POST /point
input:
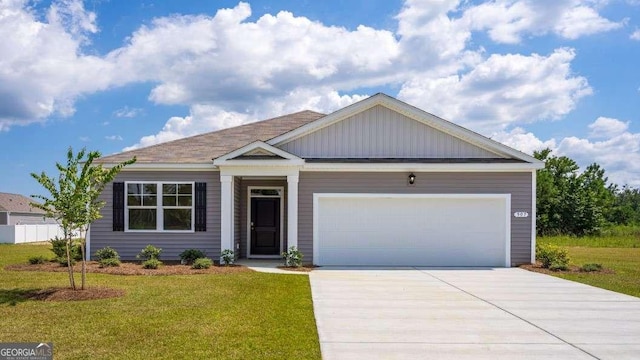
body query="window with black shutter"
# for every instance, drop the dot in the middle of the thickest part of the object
(118, 206)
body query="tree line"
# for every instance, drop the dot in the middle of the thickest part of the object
(570, 202)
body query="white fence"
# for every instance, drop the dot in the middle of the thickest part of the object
(17, 234)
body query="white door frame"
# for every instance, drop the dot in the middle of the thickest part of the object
(248, 225)
(316, 207)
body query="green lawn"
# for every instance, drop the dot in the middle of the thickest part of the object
(232, 316)
(620, 253)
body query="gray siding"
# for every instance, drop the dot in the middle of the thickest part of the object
(517, 184)
(3, 218)
(382, 133)
(28, 219)
(128, 244)
(243, 210)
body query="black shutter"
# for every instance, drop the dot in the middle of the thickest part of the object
(118, 206)
(201, 207)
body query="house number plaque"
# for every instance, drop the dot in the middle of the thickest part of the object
(521, 214)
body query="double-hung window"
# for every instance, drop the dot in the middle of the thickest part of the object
(159, 206)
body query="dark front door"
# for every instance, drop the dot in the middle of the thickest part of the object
(265, 226)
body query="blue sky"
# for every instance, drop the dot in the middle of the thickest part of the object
(114, 75)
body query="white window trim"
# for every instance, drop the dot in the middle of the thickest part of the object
(159, 208)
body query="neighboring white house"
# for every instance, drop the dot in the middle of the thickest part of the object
(20, 222)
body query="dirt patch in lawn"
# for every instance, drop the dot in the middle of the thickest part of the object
(14, 296)
(67, 294)
(537, 267)
(303, 268)
(131, 268)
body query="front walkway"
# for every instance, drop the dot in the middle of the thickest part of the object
(418, 313)
(267, 266)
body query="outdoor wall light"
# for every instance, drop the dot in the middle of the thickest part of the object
(412, 178)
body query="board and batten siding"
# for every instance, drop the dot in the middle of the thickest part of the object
(382, 133)
(518, 184)
(128, 244)
(243, 209)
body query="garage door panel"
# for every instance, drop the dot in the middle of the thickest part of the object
(421, 231)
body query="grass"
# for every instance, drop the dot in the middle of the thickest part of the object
(619, 252)
(231, 316)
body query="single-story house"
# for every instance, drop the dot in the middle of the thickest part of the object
(378, 182)
(16, 209)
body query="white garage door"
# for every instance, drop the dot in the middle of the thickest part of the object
(411, 230)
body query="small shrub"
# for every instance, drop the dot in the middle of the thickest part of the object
(591, 267)
(34, 260)
(202, 263)
(59, 248)
(558, 266)
(149, 252)
(292, 257)
(190, 255)
(552, 257)
(63, 261)
(107, 253)
(109, 262)
(151, 264)
(228, 257)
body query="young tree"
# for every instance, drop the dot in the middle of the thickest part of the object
(74, 199)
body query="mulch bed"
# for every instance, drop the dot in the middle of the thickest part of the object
(68, 294)
(131, 268)
(537, 267)
(303, 268)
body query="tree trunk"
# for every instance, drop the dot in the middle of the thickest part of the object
(84, 263)
(72, 281)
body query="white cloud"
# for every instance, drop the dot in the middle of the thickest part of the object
(127, 112)
(605, 127)
(502, 91)
(635, 35)
(84, 138)
(234, 63)
(524, 141)
(238, 65)
(114, 137)
(618, 151)
(507, 21)
(42, 69)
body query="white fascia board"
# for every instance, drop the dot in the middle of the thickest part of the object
(476, 167)
(166, 167)
(260, 163)
(413, 113)
(227, 158)
(261, 170)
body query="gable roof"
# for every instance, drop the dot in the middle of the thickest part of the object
(206, 147)
(203, 149)
(17, 203)
(411, 112)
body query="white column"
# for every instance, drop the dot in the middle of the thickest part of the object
(292, 212)
(226, 212)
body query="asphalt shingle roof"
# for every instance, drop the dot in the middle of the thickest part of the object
(205, 147)
(17, 203)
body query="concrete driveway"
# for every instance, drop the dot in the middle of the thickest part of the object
(426, 313)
